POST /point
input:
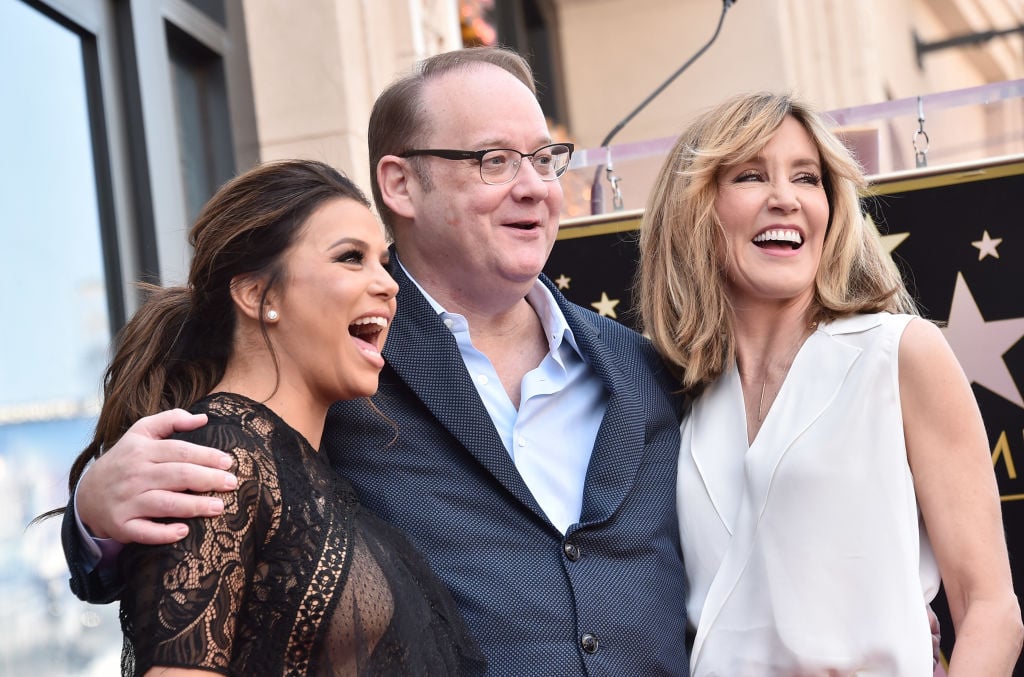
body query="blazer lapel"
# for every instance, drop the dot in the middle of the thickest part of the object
(423, 353)
(620, 441)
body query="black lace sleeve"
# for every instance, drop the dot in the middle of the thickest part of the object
(181, 601)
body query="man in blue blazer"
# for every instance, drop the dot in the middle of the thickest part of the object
(526, 445)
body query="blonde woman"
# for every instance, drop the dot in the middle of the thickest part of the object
(834, 465)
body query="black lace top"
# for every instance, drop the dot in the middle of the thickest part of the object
(294, 578)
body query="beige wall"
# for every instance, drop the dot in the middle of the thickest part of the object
(317, 66)
(834, 53)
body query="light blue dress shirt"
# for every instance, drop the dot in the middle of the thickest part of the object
(562, 403)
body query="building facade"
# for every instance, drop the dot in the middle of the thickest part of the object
(121, 117)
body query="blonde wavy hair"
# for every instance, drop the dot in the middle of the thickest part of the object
(680, 281)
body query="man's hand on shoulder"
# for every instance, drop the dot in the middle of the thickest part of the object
(144, 476)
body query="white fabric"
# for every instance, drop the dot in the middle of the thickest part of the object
(805, 553)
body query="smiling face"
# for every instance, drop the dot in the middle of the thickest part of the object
(469, 240)
(334, 304)
(774, 213)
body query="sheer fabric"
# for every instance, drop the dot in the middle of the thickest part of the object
(294, 578)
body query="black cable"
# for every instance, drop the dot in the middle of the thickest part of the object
(596, 191)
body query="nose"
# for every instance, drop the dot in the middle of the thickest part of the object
(528, 184)
(783, 197)
(383, 285)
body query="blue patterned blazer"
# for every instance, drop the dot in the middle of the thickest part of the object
(605, 599)
(608, 598)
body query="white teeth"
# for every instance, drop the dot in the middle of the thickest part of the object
(379, 321)
(780, 235)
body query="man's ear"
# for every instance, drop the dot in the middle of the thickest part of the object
(247, 293)
(397, 180)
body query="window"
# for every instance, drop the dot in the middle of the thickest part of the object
(115, 126)
(204, 126)
(60, 291)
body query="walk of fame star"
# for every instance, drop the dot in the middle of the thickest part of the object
(979, 344)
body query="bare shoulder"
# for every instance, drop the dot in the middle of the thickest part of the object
(925, 356)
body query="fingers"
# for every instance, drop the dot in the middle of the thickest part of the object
(170, 465)
(161, 425)
(141, 478)
(131, 519)
(144, 530)
(153, 533)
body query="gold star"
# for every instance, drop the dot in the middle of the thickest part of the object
(562, 281)
(606, 306)
(987, 246)
(890, 242)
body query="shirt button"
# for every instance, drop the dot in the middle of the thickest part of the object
(572, 551)
(589, 643)
(449, 322)
(522, 441)
(482, 379)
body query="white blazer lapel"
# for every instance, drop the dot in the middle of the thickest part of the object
(718, 431)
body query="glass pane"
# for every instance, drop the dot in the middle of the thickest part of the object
(204, 123)
(54, 347)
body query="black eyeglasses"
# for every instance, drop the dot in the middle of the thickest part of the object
(500, 165)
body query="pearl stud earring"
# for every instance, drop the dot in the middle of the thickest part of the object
(272, 315)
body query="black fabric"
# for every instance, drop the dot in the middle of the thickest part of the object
(295, 578)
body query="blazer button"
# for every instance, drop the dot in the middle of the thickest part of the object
(572, 551)
(589, 643)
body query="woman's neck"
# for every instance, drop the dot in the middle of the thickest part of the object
(295, 406)
(767, 342)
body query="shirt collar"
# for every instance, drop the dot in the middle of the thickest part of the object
(556, 329)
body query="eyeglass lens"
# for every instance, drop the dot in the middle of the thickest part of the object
(501, 166)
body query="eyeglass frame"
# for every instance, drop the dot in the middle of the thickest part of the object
(478, 155)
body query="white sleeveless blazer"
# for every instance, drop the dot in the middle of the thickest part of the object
(805, 552)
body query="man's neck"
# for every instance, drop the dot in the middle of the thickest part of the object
(504, 327)
(496, 309)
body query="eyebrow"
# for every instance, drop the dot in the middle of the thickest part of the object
(800, 162)
(362, 244)
(502, 144)
(349, 240)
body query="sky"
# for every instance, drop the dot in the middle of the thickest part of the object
(52, 289)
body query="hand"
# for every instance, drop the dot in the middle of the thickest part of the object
(933, 625)
(142, 477)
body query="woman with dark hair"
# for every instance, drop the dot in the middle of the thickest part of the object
(834, 464)
(286, 309)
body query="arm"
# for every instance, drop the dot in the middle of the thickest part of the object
(136, 480)
(956, 489)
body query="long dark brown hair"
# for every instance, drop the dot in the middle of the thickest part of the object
(176, 347)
